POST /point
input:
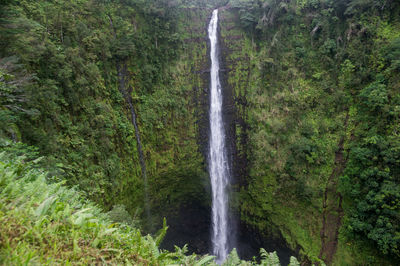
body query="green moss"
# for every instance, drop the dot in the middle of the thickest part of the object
(296, 92)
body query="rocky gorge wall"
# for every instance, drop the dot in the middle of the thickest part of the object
(311, 111)
(291, 124)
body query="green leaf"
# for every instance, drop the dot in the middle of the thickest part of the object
(45, 206)
(161, 234)
(205, 260)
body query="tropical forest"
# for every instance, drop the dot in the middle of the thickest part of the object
(200, 132)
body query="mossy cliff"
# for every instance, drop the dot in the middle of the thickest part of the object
(97, 86)
(114, 96)
(180, 189)
(78, 71)
(294, 71)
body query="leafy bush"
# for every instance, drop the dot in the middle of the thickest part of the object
(42, 223)
(52, 224)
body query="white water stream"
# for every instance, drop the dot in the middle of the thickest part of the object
(218, 164)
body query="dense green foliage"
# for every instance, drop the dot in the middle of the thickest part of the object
(320, 80)
(80, 120)
(50, 224)
(317, 108)
(60, 92)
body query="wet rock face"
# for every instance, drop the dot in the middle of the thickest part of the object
(250, 240)
(234, 75)
(191, 225)
(234, 110)
(191, 222)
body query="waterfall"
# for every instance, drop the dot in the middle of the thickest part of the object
(218, 162)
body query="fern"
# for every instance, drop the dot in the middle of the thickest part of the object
(51, 224)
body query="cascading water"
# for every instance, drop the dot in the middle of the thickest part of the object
(218, 163)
